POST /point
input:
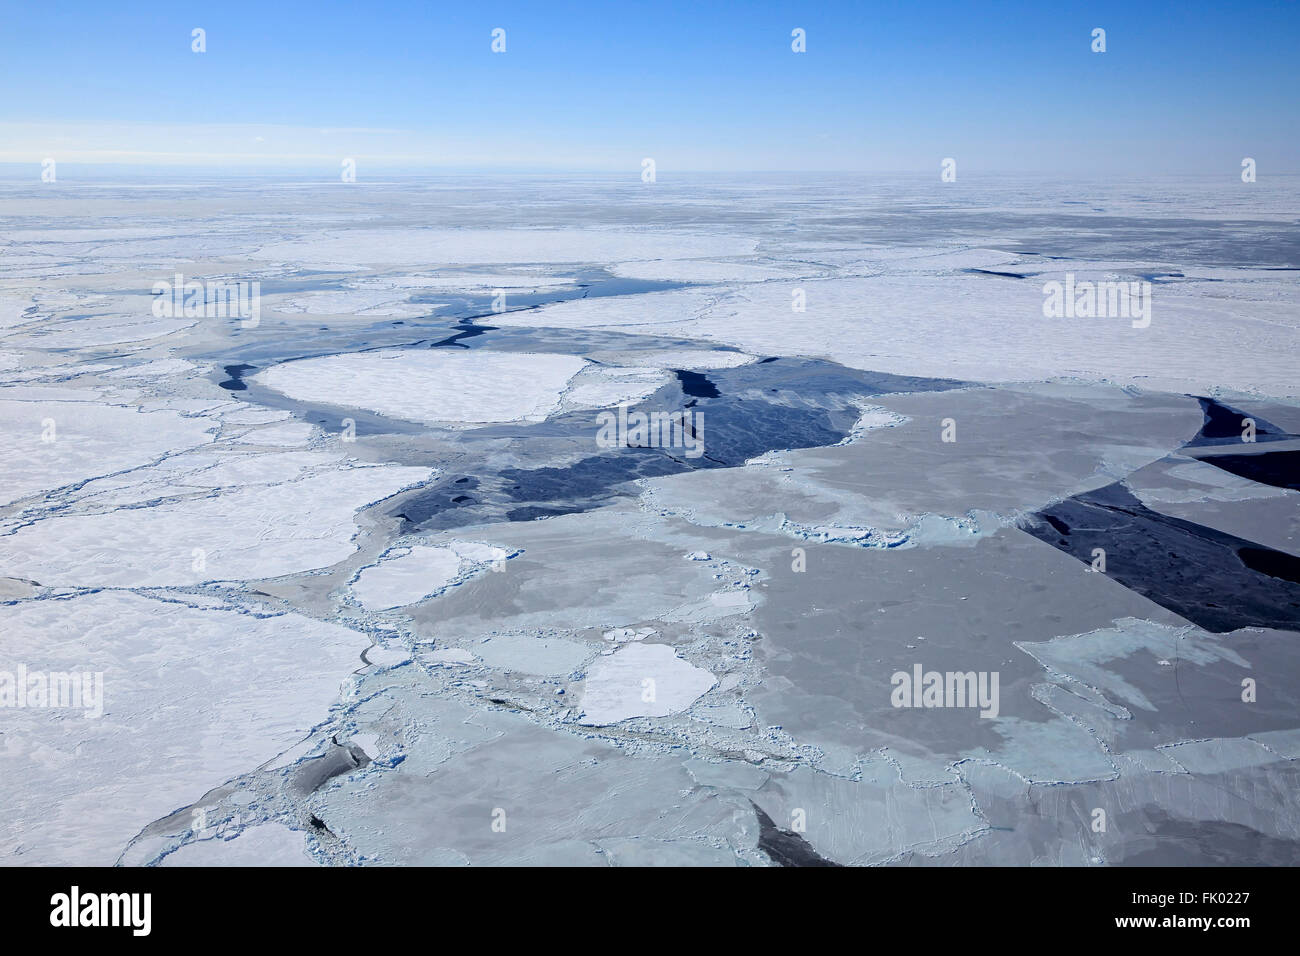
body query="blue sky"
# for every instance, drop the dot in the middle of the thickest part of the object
(1183, 87)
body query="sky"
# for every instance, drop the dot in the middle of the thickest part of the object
(1186, 87)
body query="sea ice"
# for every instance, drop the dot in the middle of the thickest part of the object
(191, 698)
(641, 680)
(56, 443)
(431, 385)
(242, 533)
(406, 578)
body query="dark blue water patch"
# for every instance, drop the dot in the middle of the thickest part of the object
(1225, 422)
(753, 409)
(1218, 581)
(994, 272)
(1281, 469)
(1223, 427)
(1060, 526)
(785, 847)
(457, 340)
(235, 382)
(533, 512)
(1277, 564)
(522, 494)
(696, 385)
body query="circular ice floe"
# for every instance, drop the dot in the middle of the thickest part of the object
(431, 385)
(406, 579)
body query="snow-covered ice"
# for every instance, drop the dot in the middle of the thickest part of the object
(641, 680)
(435, 386)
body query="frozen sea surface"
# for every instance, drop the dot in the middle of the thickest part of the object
(597, 526)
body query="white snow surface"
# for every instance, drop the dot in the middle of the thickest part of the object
(192, 697)
(431, 385)
(616, 685)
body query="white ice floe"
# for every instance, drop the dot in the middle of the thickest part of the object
(191, 698)
(641, 680)
(871, 418)
(451, 386)
(54, 444)
(198, 473)
(407, 575)
(406, 578)
(602, 386)
(241, 533)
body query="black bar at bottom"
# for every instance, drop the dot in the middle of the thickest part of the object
(217, 906)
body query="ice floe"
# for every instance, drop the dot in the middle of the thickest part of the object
(431, 385)
(243, 532)
(191, 698)
(641, 680)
